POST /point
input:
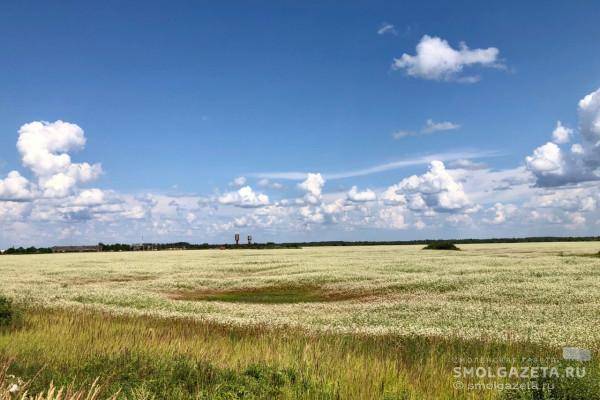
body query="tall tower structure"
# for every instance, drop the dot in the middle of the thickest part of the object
(249, 239)
(237, 239)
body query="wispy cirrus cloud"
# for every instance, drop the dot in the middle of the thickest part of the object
(407, 162)
(430, 127)
(404, 133)
(387, 29)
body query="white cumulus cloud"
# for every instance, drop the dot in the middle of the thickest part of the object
(435, 59)
(239, 181)
(359, 197)
(589, 126)
(392, 218)
(15, 187)
(561, 133)
(313, 186)
(501, 212)
(392, 196)
(44, 148)
(245, 197)
(547, 160)
(89, 197)
(556, 166)
(436, 188)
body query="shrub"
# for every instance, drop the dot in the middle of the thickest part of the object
(441, 246)
(7, 312)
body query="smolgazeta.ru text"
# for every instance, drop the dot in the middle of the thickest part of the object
(518, 372)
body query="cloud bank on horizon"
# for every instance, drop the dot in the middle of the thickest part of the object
(555, 186)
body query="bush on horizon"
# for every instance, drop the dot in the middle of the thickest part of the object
(441, 246)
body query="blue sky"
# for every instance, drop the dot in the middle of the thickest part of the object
(177, 99)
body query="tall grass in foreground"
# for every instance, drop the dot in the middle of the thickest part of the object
(14, 388)
(156, 358)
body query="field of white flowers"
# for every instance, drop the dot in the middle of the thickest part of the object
(542, 292)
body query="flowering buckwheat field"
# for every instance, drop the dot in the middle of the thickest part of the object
(544, 292)
(355, 322)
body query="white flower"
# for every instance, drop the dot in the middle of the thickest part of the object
(14, 389)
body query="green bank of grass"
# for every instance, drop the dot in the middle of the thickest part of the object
(284, 294)
(260, 296)
(184, 359)
(161, 358)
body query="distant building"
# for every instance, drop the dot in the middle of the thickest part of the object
(76, 249)
(143, 247)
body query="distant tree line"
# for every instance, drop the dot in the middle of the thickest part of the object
(457, 241)
(297, 245)
(188, 246)
(28, 250)
(115, 247)
(207, 246)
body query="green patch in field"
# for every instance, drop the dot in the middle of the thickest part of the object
(593, 255)
(267, 295)
(108, 278)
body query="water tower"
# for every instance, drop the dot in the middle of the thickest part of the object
(237, 239)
